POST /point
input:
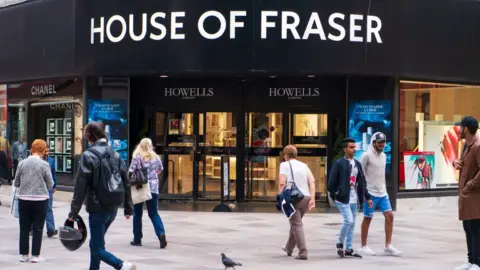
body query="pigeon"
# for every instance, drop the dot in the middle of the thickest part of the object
(229, 263)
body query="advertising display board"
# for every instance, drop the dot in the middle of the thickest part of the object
(113, 113)
(419, 170)
(367, 117)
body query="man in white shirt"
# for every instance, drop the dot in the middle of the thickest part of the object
(374, 162)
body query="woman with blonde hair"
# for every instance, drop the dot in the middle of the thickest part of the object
(33, 180)
(144, 156)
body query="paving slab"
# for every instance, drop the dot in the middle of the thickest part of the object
(426, 230)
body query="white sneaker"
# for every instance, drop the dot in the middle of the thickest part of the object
(129, 266)
(25, 258)
(366, 251)
(474, 267)
(465, 266)
(37, 259)
(390, 250)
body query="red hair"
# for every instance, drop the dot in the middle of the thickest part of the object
(39, 147)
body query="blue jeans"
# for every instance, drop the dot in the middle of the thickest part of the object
(152, 208)
(50, 220)
(99, 224)
(349, 213)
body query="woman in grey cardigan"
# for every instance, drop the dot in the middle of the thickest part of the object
(33, 179)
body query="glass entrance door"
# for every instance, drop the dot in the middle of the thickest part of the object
(178, 147)
(218, 133)
(264, 141)
(309, 135)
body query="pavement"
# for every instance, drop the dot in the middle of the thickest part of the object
(426, 230)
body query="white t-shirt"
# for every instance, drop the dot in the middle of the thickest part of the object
(353, 182)
(300, 173)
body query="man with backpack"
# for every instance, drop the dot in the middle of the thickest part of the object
(102, 182)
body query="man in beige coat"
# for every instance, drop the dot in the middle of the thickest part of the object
(469, 191)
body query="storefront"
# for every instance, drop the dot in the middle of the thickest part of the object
(215, 83)
(429, 139)
(49, 110)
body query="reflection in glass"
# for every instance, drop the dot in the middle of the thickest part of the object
(180, 127)
(265, 130)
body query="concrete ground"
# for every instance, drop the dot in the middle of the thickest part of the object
(427, 231)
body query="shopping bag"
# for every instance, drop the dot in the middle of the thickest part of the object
(14, 203)
(141, 195)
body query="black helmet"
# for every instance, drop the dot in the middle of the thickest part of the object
(379, 137)
(71, 238)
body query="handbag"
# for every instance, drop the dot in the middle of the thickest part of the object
(140, 195)
(14, 204)
(139, 176)
(295, 194)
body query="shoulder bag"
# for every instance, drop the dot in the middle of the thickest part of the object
(139, 176)
(296, 195)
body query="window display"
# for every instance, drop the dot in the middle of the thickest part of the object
(429, 139)
(59, 139)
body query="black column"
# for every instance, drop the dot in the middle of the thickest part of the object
(240, 185)
(395, 143)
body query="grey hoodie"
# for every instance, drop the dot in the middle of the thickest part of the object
(374, 163)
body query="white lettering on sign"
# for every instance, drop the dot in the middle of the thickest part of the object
(294, 93)
(189, 93)
(154, 26)
(43, 90)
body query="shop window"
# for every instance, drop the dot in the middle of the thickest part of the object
(429, 139)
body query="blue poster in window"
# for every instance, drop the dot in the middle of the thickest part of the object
(367, 117)
(113, 113)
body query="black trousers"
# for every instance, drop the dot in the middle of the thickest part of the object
(472, 232)
(32, 218)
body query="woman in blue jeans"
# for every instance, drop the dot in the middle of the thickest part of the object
(144, 156)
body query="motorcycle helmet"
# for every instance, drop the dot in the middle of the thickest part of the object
(73, 238)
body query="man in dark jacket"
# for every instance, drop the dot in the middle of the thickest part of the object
(87, 181)
(347, 186)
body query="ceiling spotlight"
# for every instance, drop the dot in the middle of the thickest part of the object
(273, 76)
(311, 76)
(163, 76)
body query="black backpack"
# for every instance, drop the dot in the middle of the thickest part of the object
(109, 191)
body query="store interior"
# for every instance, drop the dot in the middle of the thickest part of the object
(428, 113)
(217, 131)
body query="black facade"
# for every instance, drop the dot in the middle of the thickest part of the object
(242, 51)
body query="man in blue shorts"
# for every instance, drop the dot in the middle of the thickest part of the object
(374, 162)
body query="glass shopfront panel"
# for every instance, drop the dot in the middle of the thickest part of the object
(219, 133)
(310, 136)
(265, 141)
(429, 140)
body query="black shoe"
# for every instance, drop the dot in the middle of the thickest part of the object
(50, 234)
(352, 253)
(137, 244)
(163, 241)
(340, 251)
